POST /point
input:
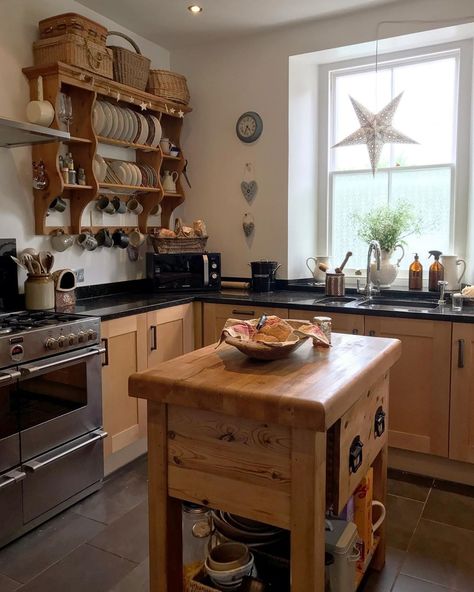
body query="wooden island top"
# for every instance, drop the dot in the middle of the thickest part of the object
(312, 388)
(277, 441)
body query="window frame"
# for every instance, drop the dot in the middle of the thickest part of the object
(463, 52)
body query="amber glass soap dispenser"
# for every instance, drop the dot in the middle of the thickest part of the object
(415, 275)
(436, 272)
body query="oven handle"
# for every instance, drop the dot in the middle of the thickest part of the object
(35, 465)
(205, 260)
(12, 477)
(9, 376)
(28, 370)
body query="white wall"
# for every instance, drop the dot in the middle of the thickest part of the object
(227, 79)
(18, 30)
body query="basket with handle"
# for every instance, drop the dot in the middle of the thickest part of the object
(169, 85)
(131, 68)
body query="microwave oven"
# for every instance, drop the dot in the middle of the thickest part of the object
(184, 271)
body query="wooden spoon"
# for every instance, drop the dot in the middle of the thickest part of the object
(323, 267)
(46, 260)
(343, 264)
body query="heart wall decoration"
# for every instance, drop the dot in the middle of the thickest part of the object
(249, 190)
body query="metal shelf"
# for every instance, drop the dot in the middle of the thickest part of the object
(18, 133)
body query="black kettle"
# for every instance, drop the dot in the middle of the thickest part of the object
(263, 275)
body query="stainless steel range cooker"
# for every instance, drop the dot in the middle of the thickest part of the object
(51, 452)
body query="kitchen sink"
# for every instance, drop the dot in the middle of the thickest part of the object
(331, 300)
(381, 303)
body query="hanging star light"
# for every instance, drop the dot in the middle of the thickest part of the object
(375, 130)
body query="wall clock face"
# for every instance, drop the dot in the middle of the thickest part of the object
(249, 127)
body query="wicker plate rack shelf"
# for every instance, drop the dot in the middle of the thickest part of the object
(84, 89)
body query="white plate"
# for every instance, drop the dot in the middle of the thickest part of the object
(109, 120)
(118, 123)
(96, 119)
(139, 175)
(144, 131)
(158, 132)
(125, 124)
(132, 125)
(131, 175)
(136, 174)
(120, 171)
(100, 168)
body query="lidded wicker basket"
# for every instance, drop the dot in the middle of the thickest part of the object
(169, 85)
(130, 68)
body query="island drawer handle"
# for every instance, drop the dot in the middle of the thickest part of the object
(461, 353)
(250, 313)
(355, 455)
(154, 339)
(379, 427)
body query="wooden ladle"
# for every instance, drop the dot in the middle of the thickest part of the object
(343, 264)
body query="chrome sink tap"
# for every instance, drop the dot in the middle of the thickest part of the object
(370, 289)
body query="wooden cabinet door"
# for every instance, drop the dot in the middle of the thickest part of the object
(461, 433)
(124, 416)
(419, 383)
(215, 316)
(170, 333)
(341, 322)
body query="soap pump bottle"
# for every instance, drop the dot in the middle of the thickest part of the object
(436, 272)
(415, 275)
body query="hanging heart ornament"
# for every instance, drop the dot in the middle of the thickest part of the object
(249, 189)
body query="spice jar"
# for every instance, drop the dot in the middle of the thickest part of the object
(39, 292)
(197, 532)
(325, 324)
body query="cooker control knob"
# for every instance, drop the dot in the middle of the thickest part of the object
(61, 341)
(91, 334)
(214, 266)
(72, 339)
(81, 337)
(51, 343)
(214, 276)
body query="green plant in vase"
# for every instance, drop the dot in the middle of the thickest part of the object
(390, 226)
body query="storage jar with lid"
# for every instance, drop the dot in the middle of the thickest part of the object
(39, 292)
(197, 532)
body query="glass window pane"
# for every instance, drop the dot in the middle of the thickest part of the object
(354, 193)
(429, 190)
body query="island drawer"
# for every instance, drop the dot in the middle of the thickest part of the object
(354, 442)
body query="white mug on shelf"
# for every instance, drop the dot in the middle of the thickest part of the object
(165, 145)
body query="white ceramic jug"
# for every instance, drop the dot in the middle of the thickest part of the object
(318, 275)
(450, 264)
(169, 181)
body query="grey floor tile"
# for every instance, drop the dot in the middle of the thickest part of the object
(86, 569)
(25, 558)
(8, 585)
(119, 494)
(450, 508)
(408, 485)
(383, 581)
(407, 584)
(128, 536)
(138, 580)
(443, 555)
(402, 517)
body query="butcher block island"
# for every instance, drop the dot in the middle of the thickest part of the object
(280, 442)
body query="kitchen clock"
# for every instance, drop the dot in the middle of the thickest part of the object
(249, 127)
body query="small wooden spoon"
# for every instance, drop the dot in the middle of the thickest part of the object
(343, 264)
(323, 267)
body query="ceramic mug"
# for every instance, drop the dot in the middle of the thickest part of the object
(136, 238)
(134, 206)
(174, 150)
(103, 204)
(60, 241)
(104, 238)
(156, 211)
(119, 205)
(58, 204)
(120, 239)
(87, 241)
(383, 513)
(165, 145)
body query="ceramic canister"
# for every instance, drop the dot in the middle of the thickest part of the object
(39, 292)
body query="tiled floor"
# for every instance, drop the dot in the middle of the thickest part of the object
(100, 545)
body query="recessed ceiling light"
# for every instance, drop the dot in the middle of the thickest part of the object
(195, 9)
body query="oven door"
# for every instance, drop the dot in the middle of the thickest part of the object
(11, 510)
(9, 420)
(181, 271)
(59, 399)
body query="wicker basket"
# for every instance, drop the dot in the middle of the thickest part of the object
(76, 51)
(169, 85)
(178, 245)
(129, 67)
(71, 22)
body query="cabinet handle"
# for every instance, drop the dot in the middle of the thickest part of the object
(371, 333)
(355, 331)
(461, 353)
(355, 455)
(105, 343)
(153, 342)
(249, 313)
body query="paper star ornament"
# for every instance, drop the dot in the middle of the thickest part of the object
(375, 130)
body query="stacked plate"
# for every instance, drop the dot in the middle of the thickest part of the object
(253, 534)
(121, 172)
(126, 125)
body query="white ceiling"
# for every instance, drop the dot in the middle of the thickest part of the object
(169, 24)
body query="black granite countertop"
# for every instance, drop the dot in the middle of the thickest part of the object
(119, 305)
